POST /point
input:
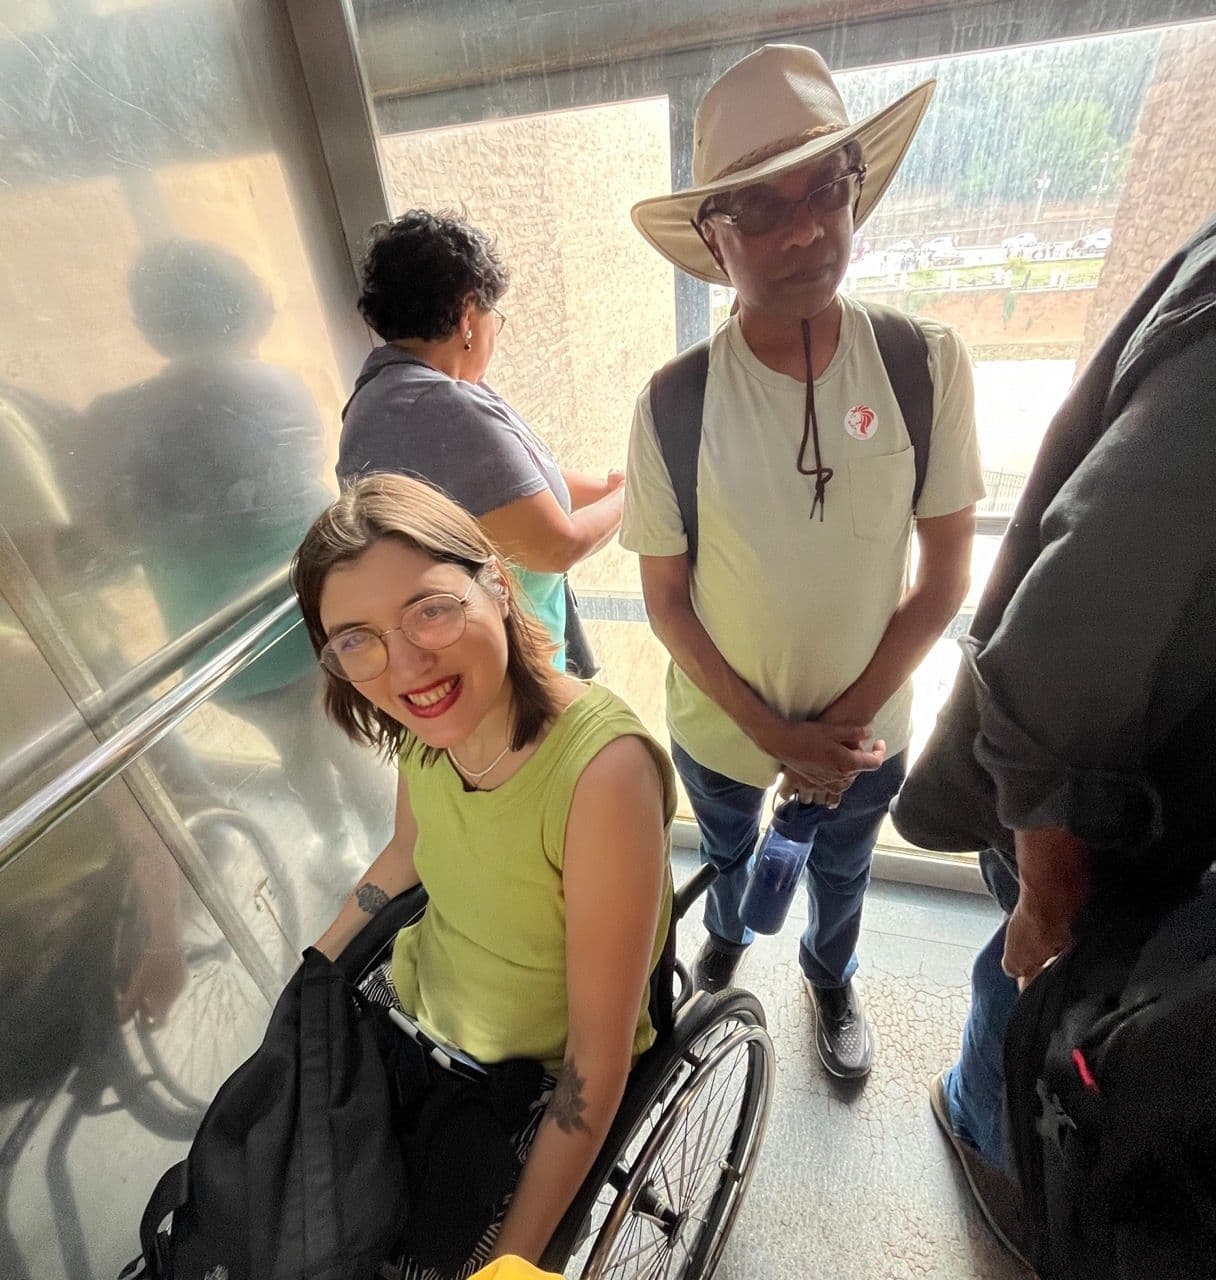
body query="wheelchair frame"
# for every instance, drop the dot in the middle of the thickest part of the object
(648, 1208)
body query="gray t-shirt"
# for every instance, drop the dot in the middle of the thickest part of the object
(461, 437)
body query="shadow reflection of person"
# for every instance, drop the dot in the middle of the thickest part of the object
(219, 473)
(33, 507)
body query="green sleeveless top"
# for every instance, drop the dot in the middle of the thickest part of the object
(485, 967)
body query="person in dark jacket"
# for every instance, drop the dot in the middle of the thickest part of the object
(1079, 744)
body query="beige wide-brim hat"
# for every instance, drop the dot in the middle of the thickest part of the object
(776, 109)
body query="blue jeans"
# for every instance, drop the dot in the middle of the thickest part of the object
(975, 1085)
(728, 813)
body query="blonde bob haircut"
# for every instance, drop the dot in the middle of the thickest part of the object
(418, 516)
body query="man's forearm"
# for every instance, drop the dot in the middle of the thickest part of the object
(685, 638)
(821, 753)
(1054, 885)
(915, 627)
(1053, 867)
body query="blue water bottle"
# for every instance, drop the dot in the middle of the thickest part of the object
(779, 863)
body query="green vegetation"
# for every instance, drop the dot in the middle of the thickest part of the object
(1017, 273)
(1066, 273)
(1003, 121)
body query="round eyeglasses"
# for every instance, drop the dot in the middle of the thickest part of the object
(360, 654)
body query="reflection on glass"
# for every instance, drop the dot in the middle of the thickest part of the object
(172, 375)
(36, 512)
(214, 473)
(124, 1008)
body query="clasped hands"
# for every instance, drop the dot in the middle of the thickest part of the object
(822, 758)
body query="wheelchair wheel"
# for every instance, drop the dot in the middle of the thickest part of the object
(662, 1199)
(166, 1074)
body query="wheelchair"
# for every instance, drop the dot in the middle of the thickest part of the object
(664, 1192)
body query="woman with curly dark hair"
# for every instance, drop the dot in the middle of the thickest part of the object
(431, 285)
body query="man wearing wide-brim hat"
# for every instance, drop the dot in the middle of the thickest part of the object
(790, 621)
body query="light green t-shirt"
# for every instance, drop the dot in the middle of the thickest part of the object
(796, 605)
(485, 967)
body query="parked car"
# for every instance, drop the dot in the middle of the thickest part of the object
(1022, 243)
(939, 251)
(1097, 242)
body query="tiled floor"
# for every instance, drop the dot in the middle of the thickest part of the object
(856, 1183)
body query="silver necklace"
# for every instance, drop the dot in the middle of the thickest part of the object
(481, 773)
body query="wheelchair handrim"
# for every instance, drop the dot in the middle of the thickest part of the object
(753, 1118)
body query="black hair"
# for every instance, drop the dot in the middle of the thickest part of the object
(420, 269)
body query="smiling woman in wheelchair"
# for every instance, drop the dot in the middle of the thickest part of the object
(534, 809)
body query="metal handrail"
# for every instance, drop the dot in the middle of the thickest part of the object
(99, 709)
(48, 807)
(64, 794)
(174, 655)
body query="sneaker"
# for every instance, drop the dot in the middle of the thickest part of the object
(715, 965)
(842, 1035)
(996, 1195)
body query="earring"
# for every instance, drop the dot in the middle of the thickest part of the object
(468, 339)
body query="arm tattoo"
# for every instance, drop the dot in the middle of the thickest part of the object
(568, 1104)
(371, 898)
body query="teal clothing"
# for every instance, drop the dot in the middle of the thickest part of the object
(192, 579)
(546, 595)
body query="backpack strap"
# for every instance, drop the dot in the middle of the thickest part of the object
(677, 403)
(170, 1194)
(905, 356)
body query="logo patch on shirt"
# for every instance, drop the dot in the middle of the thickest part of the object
(860, 422)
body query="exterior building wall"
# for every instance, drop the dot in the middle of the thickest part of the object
(1013, 323)
(1171, 181)
(590, 307)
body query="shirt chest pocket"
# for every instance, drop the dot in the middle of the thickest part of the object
(880, 490)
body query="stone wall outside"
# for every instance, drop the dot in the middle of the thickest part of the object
(1013, 320)
(591, 306)
(1171, 180)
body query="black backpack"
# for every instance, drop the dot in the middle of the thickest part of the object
(296, 1172)
(677, 400)
(1110, 1062)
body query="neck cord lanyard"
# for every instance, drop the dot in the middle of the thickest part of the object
(810, 428)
